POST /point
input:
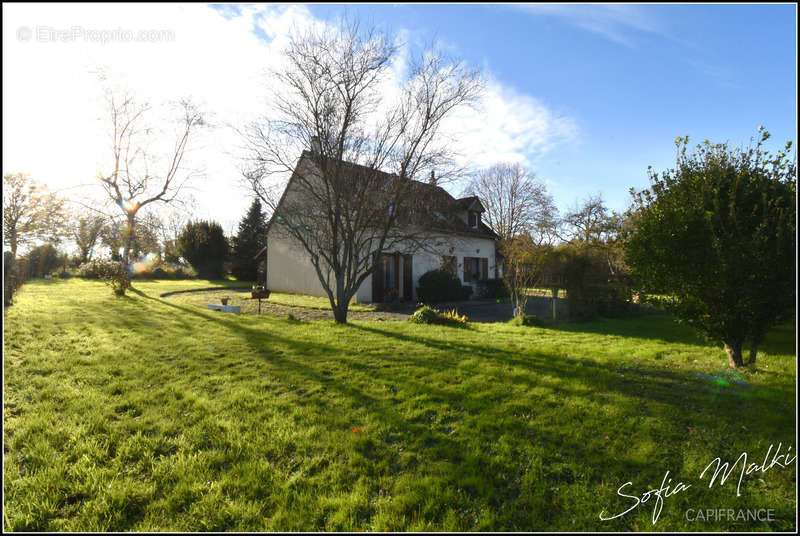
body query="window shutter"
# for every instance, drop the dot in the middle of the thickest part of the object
(484, 268)
(377, 280)
(408, 280)
(467, 269)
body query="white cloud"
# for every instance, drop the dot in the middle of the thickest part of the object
(52, 111)
(615, 22)
(511, 126)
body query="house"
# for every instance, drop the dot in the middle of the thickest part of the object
(456, 239)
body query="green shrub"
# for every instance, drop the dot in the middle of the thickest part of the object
(428, 315)
(112, 273)
(90, 270)
(184, 272)
(174, 271)
(424, 315)
(492, 289)
(527, 320)
(441, 286)
(9, 277)
(94, 270)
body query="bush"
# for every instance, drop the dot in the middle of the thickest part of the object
(527, 320)
(9, 277)
(94, 270)
(440, 286)
(112, 273)
(424, 315)
(90, 270)
(492, 289)
(612, 299)
(184, 272)
(428, 315)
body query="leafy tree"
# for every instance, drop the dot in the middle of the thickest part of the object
(30, 212)
(718, 233)
(113, 237)
(85, 231)
(40, 261)
(250, 239)
(204, 246)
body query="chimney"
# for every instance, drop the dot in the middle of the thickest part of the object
(316, 148)
(432, 180)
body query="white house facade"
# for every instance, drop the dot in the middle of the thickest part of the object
(469, 251)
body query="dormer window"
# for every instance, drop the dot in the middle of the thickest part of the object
(474, 218)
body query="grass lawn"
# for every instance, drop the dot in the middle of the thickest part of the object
(144, 413)
(242, 298)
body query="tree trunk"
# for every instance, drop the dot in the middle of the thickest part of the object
(129, 239)
(340, 314)
(753, 352)
(734, 351)
(342, 303)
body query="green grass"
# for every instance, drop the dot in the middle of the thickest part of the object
(250, 306)
(243, 299)
(142, 413)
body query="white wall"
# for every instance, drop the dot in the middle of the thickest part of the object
(453, 245)
(290, 270)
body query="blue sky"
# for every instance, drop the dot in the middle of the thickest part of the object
(632, 77)
(586, 95)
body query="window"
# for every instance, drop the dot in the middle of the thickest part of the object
(475, 268)
(474, 218)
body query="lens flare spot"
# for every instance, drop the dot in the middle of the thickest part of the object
(130, 206)
(143, 264)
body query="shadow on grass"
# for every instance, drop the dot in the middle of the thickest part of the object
(562, 375)
(435, 373)
(653, 327)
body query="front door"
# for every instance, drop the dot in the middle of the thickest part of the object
(390, 280)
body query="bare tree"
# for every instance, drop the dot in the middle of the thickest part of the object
(136, 177)
(170, 228)
(523, 267)
(30, 212)
(355, 195)
(516, 202)
(589, 221)
(591, 227)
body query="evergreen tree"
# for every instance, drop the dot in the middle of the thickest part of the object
(205, 248)
(250, 239)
